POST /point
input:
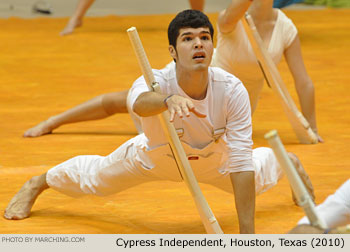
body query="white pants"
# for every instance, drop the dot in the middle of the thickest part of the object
(335, 210)
(131, 165)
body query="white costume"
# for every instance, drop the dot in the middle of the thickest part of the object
(147, 157)
(235, 55)
(335, 210)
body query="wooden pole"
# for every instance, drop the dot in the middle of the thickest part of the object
(300, 125)
(209, 221)
(294, 179)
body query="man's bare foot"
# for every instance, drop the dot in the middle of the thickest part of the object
(72, 24)
(43, 128)
(304, 177)
(21, 204)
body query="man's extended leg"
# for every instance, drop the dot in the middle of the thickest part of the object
(126, 167)
(21, 204)
(267, 173)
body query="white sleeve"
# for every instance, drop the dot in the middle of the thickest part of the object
(335, 210)
(239, 129)
(289, 32)
(137, 88)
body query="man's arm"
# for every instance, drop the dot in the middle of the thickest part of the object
(244, 190)
(152, 103)
(239, 143)
(149, 104)
(229, 17)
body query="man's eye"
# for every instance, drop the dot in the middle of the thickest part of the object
(205, 38)
(187, 39)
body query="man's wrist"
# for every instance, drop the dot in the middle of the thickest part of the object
(166, 99)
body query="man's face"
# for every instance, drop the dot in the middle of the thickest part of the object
(194, 49)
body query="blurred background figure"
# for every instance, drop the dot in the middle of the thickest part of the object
(280, 37)
(308, 229)
(76, 20)
(335, 211)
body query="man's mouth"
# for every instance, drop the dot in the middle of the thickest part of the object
(199, 55)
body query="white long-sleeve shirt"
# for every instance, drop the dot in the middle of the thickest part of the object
(198, 131)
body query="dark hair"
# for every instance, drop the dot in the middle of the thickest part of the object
(188, 19)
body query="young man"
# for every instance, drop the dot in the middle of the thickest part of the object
(209, 105)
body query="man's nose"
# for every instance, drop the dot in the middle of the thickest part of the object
(198, 43)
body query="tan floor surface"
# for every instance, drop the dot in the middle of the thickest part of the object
(42, 74)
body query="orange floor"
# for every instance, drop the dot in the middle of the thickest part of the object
(42, 74)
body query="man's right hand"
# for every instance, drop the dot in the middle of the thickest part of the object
(181, 106)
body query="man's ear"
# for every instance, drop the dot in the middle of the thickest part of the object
(172, 51)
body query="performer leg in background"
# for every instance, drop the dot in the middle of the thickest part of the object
(76, 20)
(97, 108)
